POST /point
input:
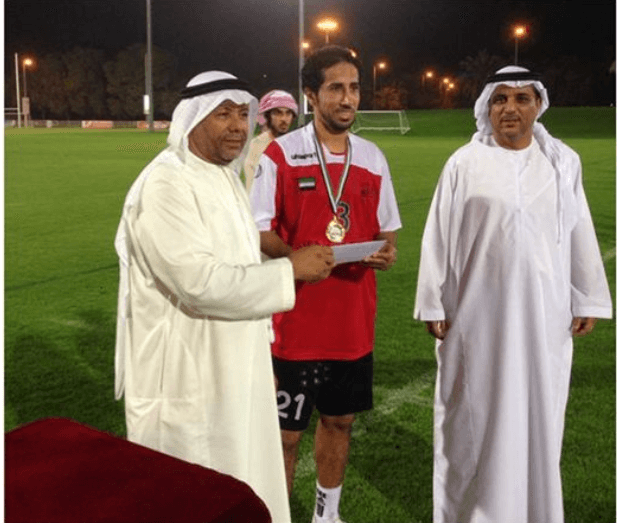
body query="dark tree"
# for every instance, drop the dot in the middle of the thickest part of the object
(475, 71)
(126, 75)
(68, 85)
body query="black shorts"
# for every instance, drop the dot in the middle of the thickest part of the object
(335, 388)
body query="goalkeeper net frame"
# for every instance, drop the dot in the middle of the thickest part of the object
(381, 121)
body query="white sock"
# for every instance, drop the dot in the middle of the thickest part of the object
(326, 503)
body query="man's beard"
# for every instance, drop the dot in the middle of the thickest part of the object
(276, 133)
(336, 127)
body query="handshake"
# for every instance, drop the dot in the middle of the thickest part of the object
(313, 263)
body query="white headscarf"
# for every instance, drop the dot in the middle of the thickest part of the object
(552, 148)
(481, 109)
(187, 114)
(190, 111)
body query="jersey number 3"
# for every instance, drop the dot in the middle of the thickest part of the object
(342, 211)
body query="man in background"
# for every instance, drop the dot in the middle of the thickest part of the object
(277, 110)
(510, 270)
(323, 185)
(194, 327)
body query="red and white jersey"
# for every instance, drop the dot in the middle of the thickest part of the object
(333, 319)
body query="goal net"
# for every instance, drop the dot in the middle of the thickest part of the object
(381, 121)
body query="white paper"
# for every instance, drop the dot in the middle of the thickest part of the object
(353, 252)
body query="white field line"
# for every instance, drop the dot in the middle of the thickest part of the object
(77, 324)
(413, 392)
(391, 399)
(608, 255)
(306, 465)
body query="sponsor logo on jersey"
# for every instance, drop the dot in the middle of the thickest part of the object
(302, 156)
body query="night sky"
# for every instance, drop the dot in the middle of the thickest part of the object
(257, 39)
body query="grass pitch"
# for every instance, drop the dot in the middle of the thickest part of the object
(64, 191)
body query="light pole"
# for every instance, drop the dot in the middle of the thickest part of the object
(376, 65)
(149, 98)
(17, 88)
(519, 32)
(301, 101)
(27, 62)
(327, 25)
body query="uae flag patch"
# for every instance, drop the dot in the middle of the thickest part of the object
(306, 184)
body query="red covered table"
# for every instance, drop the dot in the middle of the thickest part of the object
(58, 470)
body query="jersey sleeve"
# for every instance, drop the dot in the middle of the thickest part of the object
(263, 192)
(387, 212)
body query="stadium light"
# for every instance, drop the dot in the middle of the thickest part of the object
(377, 65)
(327, 25)
(26, 62)
(427, 75)
(519, 32)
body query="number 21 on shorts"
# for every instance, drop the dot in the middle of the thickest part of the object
(286, 402)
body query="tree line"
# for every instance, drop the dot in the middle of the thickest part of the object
(82, 84)
(569, 81)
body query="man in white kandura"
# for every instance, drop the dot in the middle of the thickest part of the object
(510, 270)
(277, 110)
(194, 328)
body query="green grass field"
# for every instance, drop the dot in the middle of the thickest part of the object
(64, 190)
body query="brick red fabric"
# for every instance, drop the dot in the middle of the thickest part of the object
(58, 470)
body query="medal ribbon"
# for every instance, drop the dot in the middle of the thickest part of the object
(326, 176)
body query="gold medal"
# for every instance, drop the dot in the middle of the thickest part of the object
(335, 232)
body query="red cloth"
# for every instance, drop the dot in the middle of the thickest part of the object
(58, 470)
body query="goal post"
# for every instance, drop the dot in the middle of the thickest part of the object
(381, 121)
(12, 116)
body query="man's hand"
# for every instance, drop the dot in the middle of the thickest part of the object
(312, 263)
(439, 329)
(383, 259)
(582, 326)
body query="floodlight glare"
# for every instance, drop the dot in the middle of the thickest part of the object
(520, 30)
(328, 24)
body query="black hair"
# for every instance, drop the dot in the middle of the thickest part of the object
(322, 59)
(268, 117)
